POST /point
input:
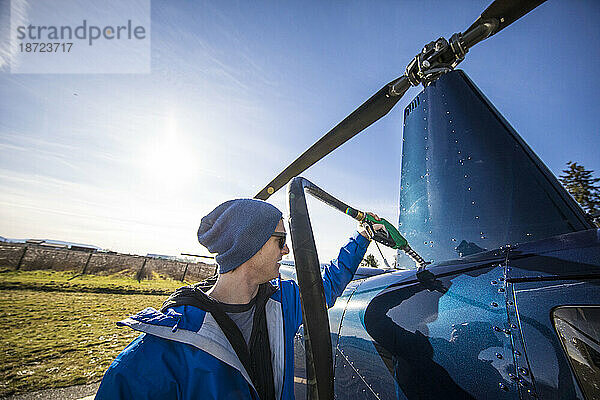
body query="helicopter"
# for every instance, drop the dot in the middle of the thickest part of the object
(506, 302)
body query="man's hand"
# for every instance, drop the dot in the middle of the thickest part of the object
(365, 232)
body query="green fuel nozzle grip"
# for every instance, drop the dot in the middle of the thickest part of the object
(391, 238)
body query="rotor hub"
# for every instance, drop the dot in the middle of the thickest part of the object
(436, 58)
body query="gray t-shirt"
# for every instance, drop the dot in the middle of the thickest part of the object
(242, 315)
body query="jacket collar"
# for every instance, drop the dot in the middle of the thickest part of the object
(190, 325)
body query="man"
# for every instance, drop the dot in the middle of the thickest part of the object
(236, 340)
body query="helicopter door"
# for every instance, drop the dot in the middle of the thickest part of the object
(405, 337)
(557, 305)
(559, 325)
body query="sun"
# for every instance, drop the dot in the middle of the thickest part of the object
(167, 160)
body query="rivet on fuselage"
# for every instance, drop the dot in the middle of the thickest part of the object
(494, 304)
(502, 386)
(499, 356)
(517, 353)
(494, 283)
(522, 382)
(523, 371)
(512, 376)
(497, 329)
(501, 290)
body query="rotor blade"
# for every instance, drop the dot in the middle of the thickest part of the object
(370, 111)
(505, 12)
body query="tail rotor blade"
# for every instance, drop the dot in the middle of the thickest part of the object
(369, 112)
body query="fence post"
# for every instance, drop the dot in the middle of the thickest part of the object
(184, 272)
(139, 274)
(21, 259)
(53, 253)
(86, 264)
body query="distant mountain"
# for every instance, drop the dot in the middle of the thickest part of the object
(50, 241)
(10, 240)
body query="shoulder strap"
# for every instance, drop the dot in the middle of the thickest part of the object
(260, 347)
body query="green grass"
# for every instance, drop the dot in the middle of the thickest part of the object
(57, 339)
(59, 332)
(48, 280)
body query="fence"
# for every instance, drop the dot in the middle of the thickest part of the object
(28, 257)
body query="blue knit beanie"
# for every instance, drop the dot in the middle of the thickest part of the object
(237, 229)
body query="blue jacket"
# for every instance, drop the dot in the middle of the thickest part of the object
(183, 354)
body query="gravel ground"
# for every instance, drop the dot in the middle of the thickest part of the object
(80, 392)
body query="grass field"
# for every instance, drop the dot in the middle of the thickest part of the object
(54, 335)
(66, 281)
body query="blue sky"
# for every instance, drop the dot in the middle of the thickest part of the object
(238, 90)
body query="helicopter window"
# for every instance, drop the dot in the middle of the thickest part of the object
(579, 331)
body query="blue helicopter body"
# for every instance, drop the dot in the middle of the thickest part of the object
(509, 307)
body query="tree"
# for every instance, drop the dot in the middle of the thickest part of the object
(370, 261)
(583, 187)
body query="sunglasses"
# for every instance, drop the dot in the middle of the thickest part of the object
(281, 238)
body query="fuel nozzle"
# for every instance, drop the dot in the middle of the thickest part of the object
(389, 236)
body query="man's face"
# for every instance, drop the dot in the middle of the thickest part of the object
(266, 261)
